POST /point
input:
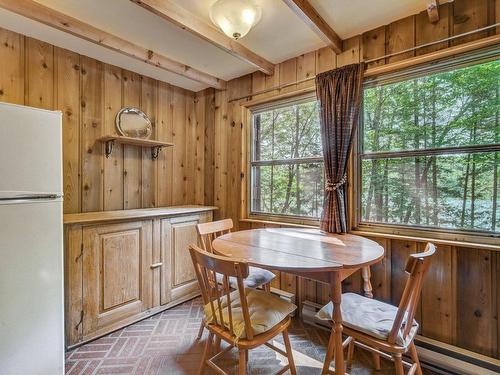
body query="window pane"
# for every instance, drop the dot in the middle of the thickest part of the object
(286, 133)
(448, 191)
(446, 109)
(294, 189)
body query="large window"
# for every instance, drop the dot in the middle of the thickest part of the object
(430, 149)
(286, 161)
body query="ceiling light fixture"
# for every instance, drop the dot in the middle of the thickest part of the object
(235, 17)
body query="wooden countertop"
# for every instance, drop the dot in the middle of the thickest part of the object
(102, 216)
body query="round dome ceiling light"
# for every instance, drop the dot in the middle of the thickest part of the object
(235, 17)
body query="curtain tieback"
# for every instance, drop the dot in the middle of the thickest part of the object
(330, 186)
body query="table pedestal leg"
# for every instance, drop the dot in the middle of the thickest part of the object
(335, 342)
(367, 285)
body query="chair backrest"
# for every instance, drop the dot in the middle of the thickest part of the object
(211, 230)
(416, 266)
(207, 266)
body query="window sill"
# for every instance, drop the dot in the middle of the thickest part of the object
(277, 222)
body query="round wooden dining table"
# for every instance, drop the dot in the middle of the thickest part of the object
(309, 253)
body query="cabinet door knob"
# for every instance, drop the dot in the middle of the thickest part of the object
(156, 265)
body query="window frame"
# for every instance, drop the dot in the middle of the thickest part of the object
(448, 64)
(265, 216)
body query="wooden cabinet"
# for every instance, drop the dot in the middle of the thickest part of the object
(123, 266)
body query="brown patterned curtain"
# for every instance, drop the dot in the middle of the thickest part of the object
(339, 94)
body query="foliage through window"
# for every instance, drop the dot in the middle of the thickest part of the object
(287, 163)
(430, 150)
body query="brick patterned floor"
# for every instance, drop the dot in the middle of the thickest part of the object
(166, 344)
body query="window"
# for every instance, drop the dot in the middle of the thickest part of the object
(430, 149)
(287, 163)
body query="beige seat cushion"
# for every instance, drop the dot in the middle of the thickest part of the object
(265, 310)
(369, 316)
(256, 277)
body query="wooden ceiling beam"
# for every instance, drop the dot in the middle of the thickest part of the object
(306, 12)
(179, 16)
(50, 17)
(433, 10)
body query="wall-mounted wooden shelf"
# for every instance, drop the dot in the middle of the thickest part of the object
(155, 146)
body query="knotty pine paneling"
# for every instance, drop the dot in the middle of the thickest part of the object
(12, 75)
(179, 137)
(208, 96)
(67, 84)
(439, 296)
(92, 122)
(476, 300)
(89, 93)
(164, 131)
(113, 166)
(132, 156)
(471, 15)
(451, 302)
(39, 89)
(149, 93)
(400, 36)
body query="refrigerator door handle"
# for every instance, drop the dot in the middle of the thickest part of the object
(30, 198)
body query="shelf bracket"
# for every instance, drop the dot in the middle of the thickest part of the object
(109, 148)
(155, 152)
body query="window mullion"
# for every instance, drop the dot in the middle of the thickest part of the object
(433, 151)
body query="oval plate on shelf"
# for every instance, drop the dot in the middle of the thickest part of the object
(132, 122)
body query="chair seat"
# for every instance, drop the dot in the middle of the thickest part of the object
(369, 316)
(256, 277)
(265, 310)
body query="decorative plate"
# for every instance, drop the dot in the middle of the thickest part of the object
(132, 122)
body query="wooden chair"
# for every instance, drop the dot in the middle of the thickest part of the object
(257, 277)
(392, 335)
(245, 318)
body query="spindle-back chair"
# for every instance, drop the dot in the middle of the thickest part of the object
(208, 232)
(220, 313)
(400, 338)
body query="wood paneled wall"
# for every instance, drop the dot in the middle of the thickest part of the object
(90, 93)
(460, 300)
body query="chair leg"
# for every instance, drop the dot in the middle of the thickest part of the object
(200, 331)
(206, 353)
(289, 352)
(217, 345)
(398, 363)
(414, 358)
(330, 354)
(376, 361)
(350, 353)
(242, 365)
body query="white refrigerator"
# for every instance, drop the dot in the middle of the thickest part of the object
(31, 242)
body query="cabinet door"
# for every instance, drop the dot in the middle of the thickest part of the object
(117, 274)
(183, 234)
(178, 276)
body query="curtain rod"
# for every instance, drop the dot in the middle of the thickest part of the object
(279, 87)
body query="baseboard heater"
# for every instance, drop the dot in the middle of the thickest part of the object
(436, 356)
